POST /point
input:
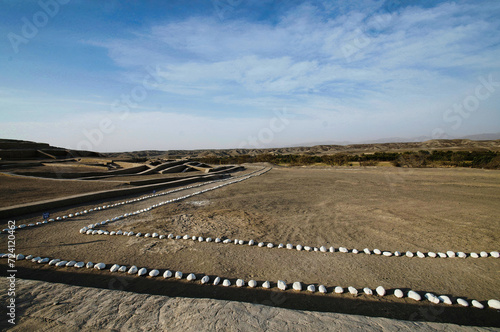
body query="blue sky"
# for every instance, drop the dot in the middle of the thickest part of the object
(133, 75)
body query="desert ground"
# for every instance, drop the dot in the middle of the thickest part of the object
(386, 208)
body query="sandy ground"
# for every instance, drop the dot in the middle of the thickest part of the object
(44, 306)
(16, 190)
(389, 208)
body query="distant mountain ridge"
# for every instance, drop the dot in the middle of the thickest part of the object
(477, 137)
(323, 149)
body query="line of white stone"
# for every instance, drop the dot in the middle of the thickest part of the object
(93, 230)
(109, 206)
(282, 285)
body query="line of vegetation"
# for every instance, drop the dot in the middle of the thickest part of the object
(423, 158)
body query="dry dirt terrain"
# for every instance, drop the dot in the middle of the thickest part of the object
(385, 208)
(59, 308)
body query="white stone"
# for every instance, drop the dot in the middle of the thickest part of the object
(377, 251)
(185, 237)
(409, 254)
(251, 242)
(367, 291)
(331, 249)
(397, 253)
(122, 268)
(343, 249)
(495, 304)
(445, 299)
(45, 260)
(297, 286)
(154, 273)
(355, 251)
(155, 235)
(191, 277)
(226, 283)
(307, 248)
(432, 298)
(281, 285)
(387, 253)
(61, 263)
(178, 237)
(178, 275)
(266, 284)
(201, 239)
(414, 295)
(205, 279)
(338, 290)
(167, 274)
(143, 271)
(138, 234)
(461, 254)
(270, 245)
(252, 283)
(54, 261)
(280, 245)
(420, 254)
(431, 254)
(298, 247)
(170, 236)
(261, 244)
(145, 235)
(450, 253)
(352, 290)
(495, 254)
(474, 255)
(477, 304)
(19, 257)
(119, 233)
(36, 259)
(79, 265)
(367, 251)
(483, 254)
(217, 240)
(208, 239)
(241, 242)
(100, 266)
(114, 268)
(322, 249)
(311, 288)
(133, 270)
(380, 290)
(161, 237)
(322, 289)
(216, 281)
(240, 283)
(462, 302)
(442, 255)
(398, 293)
(89, 265)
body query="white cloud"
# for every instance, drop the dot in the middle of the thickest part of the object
(358, 71)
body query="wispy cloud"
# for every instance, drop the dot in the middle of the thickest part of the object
(344, 68)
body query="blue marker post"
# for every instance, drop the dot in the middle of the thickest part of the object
(45, 215)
